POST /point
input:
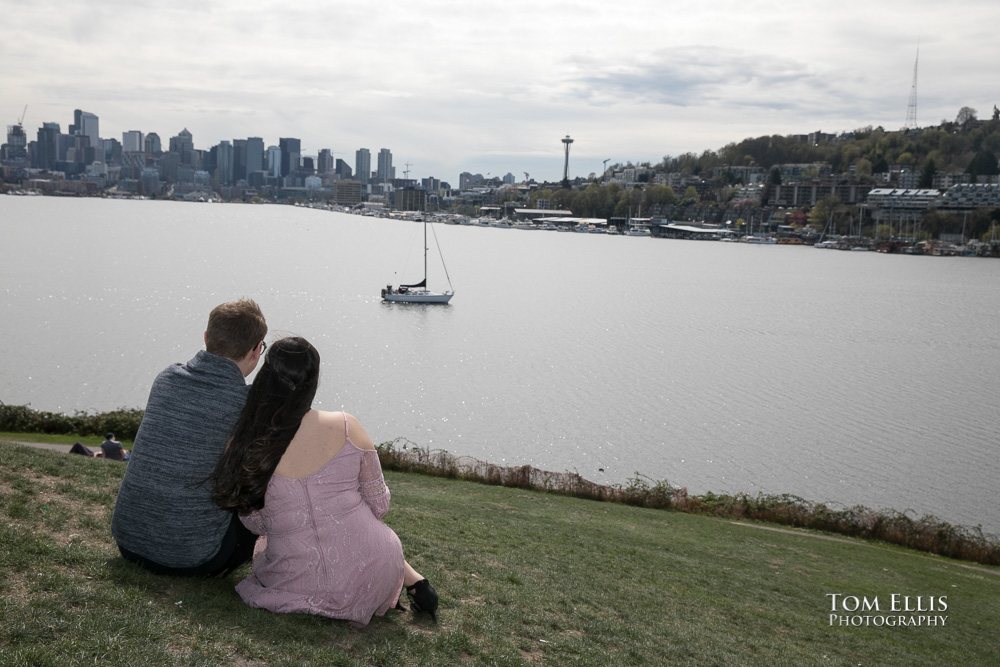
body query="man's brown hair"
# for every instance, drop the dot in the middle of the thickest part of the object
(235, 329)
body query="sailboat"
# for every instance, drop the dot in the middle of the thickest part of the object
(418, 292)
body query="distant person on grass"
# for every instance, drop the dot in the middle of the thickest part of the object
(310, 482)
(113, 449)
(165, 519)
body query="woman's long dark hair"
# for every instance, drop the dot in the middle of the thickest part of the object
(281, 394)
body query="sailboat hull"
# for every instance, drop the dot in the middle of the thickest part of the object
(418, 296)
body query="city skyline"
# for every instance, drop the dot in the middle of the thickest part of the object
(451, 89)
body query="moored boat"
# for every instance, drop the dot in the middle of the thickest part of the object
(418, 292)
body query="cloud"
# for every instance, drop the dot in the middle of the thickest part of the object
(451, 84)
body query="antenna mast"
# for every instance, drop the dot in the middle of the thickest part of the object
(911, 109)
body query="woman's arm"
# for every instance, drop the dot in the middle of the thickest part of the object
(254, 522)
(373, 489)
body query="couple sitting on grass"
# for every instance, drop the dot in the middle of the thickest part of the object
(216, 463)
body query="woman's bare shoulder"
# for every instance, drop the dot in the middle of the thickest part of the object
(357, 432)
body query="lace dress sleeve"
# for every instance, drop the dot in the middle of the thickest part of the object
(373, 488)
(253, 522)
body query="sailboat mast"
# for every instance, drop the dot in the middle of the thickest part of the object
(425, 253)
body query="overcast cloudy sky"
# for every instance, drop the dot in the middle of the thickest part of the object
(493, 87)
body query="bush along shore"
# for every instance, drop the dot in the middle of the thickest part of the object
(927, 533)
(124, 422)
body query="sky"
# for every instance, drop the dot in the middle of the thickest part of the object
(492, 88)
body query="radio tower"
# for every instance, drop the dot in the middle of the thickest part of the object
(567, 141)
(911, 109)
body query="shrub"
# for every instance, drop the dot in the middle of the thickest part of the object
(927, 534)
(124, 422)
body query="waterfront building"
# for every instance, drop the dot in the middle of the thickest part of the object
(895, 204)
(97, 173)
(410, 199)
(969, 197)
(363, 165)
(807, 193)
(347, 192)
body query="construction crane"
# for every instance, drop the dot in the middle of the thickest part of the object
(525, 177)
(406, 172)
(20, 121)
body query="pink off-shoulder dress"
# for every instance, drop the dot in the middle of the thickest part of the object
(323, 549)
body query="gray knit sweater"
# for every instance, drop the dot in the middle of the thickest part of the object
(164, 511)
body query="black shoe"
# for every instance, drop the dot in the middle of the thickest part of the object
(423, 598)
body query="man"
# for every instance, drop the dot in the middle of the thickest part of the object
(165, 519)
(112, 449)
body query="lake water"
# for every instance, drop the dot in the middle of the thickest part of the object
(842, 377)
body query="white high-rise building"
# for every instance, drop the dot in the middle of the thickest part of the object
(132, 142)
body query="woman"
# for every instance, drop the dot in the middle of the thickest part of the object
(310, 483)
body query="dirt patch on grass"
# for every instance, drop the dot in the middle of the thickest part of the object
(80, 518)
(16, 589)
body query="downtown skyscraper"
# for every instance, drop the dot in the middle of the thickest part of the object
(363, 165)
(385, 170)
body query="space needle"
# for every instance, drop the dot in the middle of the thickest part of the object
(566, 141)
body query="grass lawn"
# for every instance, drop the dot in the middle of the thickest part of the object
(524, 578)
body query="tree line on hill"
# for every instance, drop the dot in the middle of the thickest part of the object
(965, 145)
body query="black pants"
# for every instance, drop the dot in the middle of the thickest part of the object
(236, 549)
